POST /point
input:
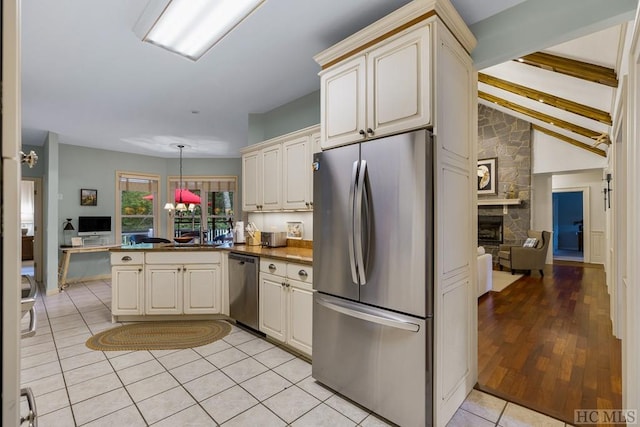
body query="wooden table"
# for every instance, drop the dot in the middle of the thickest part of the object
(63, 266)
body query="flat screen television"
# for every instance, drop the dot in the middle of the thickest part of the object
(94, 225)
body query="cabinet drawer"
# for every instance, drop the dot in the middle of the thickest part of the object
(127, 258)
(187, 257)
(302, 273)
(273, 266)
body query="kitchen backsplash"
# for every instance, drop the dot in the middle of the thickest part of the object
(277, 221)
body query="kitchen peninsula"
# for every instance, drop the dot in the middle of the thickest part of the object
(161, 281)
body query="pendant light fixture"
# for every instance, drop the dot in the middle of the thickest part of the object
(180, 205)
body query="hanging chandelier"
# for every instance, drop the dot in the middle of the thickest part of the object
(180, 205)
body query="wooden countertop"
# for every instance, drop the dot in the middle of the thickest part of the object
(287, 253)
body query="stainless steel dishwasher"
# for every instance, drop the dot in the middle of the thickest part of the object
(243, 289)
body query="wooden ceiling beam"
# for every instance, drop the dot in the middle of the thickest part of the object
(571, 141)
(591, 134)
(547, 98)
(572, 67)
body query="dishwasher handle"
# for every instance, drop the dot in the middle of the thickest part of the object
(244, 258)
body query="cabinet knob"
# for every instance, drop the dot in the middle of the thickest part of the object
(302, 273)
(370, 131)
(282, 284)
(272, 267)
(139, 270)
(287, 285)
(179, 268)
(362, 132)
(126, 258)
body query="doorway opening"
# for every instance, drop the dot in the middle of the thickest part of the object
(568, 225)
(31, 225)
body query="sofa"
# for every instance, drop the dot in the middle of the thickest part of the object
(485, 277)
(518, 257)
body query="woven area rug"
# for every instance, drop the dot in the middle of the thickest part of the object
(159, 335)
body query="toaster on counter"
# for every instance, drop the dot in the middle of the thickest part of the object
(274, 239)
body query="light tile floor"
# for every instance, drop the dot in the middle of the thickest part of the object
(242, 380)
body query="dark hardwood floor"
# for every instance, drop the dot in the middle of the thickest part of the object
(546, 342)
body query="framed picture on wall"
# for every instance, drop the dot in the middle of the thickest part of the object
(488, 176)
(88, 197)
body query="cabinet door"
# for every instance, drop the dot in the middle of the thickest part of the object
(342, 103)
(297, 173)
(126, 290)
(202, 289)
(300, 320)
(398, 84)
(251, 181)
(272, 306)
(163, 289)
(271, 178)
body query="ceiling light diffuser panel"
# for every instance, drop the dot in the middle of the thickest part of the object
(191, 27)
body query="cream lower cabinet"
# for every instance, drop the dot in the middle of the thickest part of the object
(167, 283)
(127, 283)
(163, 289)
(286, 303)
(202, 289)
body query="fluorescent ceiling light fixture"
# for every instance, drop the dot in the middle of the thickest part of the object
(191, 27)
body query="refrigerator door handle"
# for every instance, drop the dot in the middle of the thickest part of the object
(368, 317)
(362, 274)
(351, 237)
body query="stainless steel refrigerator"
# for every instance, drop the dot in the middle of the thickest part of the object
(373, 275)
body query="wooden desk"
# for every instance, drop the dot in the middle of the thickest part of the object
(63, 265)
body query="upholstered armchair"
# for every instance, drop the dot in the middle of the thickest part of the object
(527, 259)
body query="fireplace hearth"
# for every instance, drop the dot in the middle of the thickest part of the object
(490, 230)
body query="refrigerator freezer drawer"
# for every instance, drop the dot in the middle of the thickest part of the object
(379, 359)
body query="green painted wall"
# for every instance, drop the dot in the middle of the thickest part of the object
(83, 167)
(297, 114)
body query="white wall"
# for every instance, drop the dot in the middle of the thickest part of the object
(597, 219)
(550, 155)
(277, 221)
(542, 206)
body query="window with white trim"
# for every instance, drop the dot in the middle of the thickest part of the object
(210, 213)
(137, 206)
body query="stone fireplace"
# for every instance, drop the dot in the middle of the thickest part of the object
(490, 230)
(508, 139)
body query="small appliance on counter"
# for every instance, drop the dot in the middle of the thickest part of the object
(238, 232)
(274, 239)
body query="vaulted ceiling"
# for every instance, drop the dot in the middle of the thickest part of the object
(89, 79)
(567, 91)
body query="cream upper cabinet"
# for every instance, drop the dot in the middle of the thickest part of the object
(343, 103)
(271, 178)
(262, 179)
(251, 181)
(380, 92)
(276, 174)
(297, 165)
